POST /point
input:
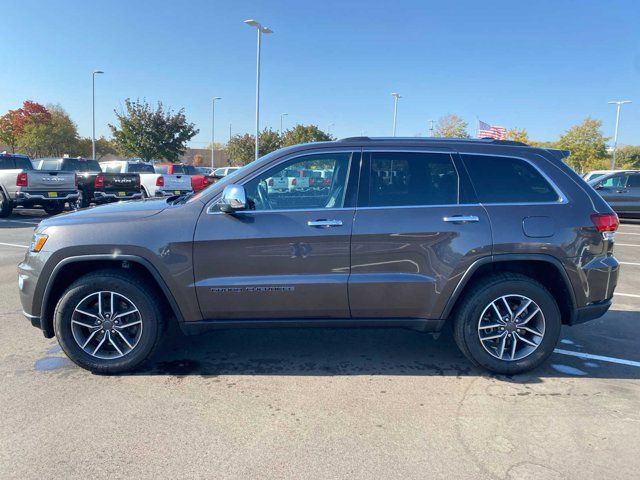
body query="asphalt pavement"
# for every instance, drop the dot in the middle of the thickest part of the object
(321, 403)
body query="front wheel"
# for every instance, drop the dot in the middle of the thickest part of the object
(107, 322)
(507, 323)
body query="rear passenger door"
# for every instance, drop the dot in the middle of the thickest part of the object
(417, 229)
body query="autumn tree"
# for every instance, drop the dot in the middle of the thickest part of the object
(517, 135)
(587, 146)
(149, 133)
(52, 136)
(451, 126)
(304, 134)
(14, 122)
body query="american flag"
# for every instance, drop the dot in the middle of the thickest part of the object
(490, 131)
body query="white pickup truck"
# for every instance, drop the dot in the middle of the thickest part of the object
(152, 184)
(21, 185)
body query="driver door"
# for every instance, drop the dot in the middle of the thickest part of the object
(288, 254)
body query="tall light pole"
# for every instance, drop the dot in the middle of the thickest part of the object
(213, 127)
(93, 112)
(431, 122)
(282, 115)
(618, 104)
(261, 30)
(395, 96)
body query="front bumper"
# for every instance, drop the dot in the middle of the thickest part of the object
(46, 196)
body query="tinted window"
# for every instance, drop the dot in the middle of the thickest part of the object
(190, 170)
(6, 163)
(507, 180)
(283, 188)
(178, 170)
(76, 165)
(614, 181)
(634, 181)
(412, 179)
(141, 168)
(23, 163)
(161, 169)
(114, 168)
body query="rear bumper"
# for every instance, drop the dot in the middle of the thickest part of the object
(37, 196)
(171, 193)
(110, 197)
(590, 312)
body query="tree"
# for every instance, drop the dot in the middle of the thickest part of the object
(13, 123)
(149, 134)
(54, 136)
(451, 126)
(217, 146)
(587, 146)
(304, 134)
(104, 146)
(242, 148)
(517, 135)
(628, 157)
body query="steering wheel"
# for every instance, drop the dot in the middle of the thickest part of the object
(263, 195)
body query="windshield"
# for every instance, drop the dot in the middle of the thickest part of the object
(23, 163)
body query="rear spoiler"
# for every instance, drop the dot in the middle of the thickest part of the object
(559, 154)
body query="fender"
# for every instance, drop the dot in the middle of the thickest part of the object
(131, 258)
(510, 257)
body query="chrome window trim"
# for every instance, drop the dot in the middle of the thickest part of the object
(562, 198)
(286, 158)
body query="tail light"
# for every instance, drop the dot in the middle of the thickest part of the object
(326, 182)
(294, 182)
(160, 181)
(22, 180)
(99, 181)
(312, 182)
(605, 222)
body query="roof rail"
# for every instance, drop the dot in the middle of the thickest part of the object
(434, 139)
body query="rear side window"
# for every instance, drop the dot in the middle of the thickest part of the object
(140, 168)
(411, 179)
(507, 180)
(161, 169)
(23, 163)
(634, 181)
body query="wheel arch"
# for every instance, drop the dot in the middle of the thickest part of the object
(536, 266)
(71, 268)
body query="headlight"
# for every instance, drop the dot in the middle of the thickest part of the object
(37, 242)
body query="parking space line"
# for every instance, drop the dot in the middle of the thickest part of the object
(602, 358)
(626, 233)
(19, 221)
(13, 245)
(626, 295)
(629, 263)
(626, 245)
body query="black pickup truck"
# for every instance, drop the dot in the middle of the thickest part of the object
(94, 185)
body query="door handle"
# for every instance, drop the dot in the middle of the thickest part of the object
(622, 191)
(324, 223)
(461, 219)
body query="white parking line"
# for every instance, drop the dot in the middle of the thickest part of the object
(626, 245)
(602, 358)
(19, 221)
(14, 245)
(629, 263)
(626, 233)
(626, 295)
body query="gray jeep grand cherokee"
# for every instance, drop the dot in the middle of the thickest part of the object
(501, 239)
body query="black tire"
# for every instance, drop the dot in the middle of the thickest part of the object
(468, 314)
(131, 286)
(6, 208)
(53, 208)
(82, 201)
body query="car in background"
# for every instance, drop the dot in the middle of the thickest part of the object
(597, 173)
(22, 185)
(224, 171)
(204, 170)
(198, 180)
(621, 190)
(94, 185)
(152, 184)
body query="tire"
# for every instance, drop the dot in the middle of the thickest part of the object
(143, 335)
(82, 201)
(53, 208)
(476, 317)
(6, 208)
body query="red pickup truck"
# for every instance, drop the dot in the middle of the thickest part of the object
(198, 181)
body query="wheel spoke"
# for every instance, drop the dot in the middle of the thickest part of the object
(486, 327)
(531, 315)
(100, 303)
(114, 343)
(528, 342)
(493, 337)
(100, 344)
(87, 313)
(522, 308)
(127, 325)
(124, 314)
(532, 331)
(506, 304)
(502, 344)
(495, 307)
(513, 347)
(86, 325)
(89, 338)
(124, 338)
(111, 306)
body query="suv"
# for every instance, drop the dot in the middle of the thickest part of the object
(21, 185)
(500, 239)
(621, 189)
(93, 185)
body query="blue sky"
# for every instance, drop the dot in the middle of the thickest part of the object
(542, 66)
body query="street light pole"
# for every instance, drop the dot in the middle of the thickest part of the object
(618, 104)
(261, 30)
(93, 112)
(395, 96)
(282, 115)
(213, 125)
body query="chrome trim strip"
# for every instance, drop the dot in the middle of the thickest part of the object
(27, 196)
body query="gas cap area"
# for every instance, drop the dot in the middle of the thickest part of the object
(538, 227)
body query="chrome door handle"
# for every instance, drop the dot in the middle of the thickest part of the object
(324, 223)
(461, 219)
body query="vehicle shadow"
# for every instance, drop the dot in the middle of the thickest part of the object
(324, 351)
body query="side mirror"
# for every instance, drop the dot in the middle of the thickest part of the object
(598, 186)
(234, 198)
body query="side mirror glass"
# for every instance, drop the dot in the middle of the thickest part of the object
(234, 198)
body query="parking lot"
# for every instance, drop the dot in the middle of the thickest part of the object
(321, 403)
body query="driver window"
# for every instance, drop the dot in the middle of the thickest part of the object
(616, 181)
(307, 182)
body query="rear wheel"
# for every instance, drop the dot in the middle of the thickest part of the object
(5, 205)
(53, 208)
(107, 322)
(507, 323)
